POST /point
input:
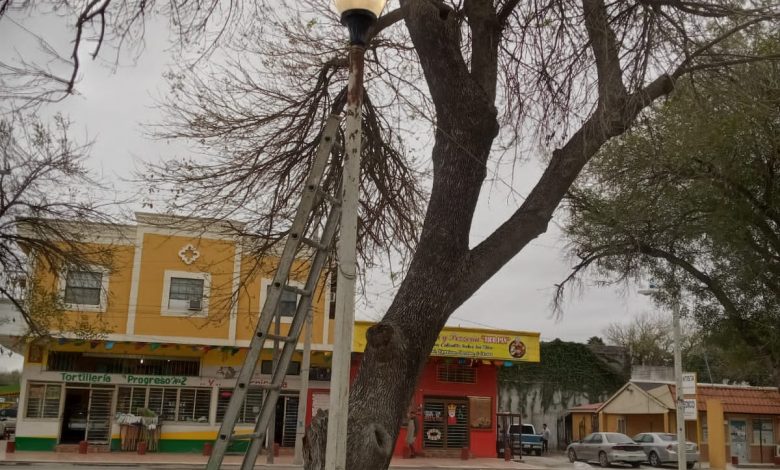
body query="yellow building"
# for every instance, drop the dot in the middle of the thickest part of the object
(175, 303)
(751, 416)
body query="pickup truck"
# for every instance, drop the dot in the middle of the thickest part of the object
(521, 437)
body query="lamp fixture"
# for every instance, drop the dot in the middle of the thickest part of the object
(358, 16)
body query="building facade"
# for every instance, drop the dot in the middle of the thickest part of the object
(456, 397)
(173, 303)
(171, 312)
(751, 416)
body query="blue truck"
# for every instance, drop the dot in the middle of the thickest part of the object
(523, 440)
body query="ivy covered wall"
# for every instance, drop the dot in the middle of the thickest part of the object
(569, 374)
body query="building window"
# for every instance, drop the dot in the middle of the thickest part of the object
(194, 405)
(130, 399)
(185, 294)
(288, 303)
(456, 373)
(65, 361)
(294, 368)
(43, 400)
(85, 289)
(250, 408)
(763, 431)
(621, 424)
(180, 404)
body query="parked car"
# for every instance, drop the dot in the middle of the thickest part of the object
(661, 448)
(607, 448)
(525, 437)
(7, 422)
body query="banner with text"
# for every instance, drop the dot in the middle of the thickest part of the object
(472, 343)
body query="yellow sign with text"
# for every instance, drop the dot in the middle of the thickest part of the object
(472, 343)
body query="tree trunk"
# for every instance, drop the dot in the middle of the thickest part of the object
(399, 346)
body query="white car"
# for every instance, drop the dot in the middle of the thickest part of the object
(661, 448)
(607, 448)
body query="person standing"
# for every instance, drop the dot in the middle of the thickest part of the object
(545, 438)
(411, 433)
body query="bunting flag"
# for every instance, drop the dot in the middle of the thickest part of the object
(109, 345)
(139, 346)
(234, 351)
(154, 346)
(62, 340)
(94, 344)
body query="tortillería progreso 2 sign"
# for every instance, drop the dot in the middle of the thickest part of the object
(474, 343)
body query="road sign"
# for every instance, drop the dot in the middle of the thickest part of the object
(689, 383)
(690, 409)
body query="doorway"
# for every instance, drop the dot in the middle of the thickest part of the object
(445, 423)
(286, 420)
(738, 434)
(87, 415)
(74, 415)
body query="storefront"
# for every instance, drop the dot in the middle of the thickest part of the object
(77, 393)
(456, 396)
(751, 416)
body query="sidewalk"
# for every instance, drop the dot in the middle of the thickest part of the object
(181, 460)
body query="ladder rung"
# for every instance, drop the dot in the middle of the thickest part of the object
(297, 290)
(283, 338)
(270, 386)
(328, 197)
(315, 244)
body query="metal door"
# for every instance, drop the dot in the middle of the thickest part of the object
(99, 416)
(290, 421)
(445, 424)
(738, 434)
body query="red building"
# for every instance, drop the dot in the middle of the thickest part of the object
(457, 394)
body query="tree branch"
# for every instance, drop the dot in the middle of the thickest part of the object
(485, 35)
(713, 286)
(505, 12)
(387, 20)
(612, 92)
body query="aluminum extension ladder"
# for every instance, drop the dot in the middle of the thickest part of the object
(313, 195)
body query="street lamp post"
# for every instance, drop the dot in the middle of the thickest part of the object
(682, 447)
(358, 16)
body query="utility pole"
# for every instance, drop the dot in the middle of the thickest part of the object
(682, 447)
(303, 398)
(271, 432)
(358, 16)
(346, 253)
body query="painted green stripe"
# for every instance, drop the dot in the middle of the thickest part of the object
(166, 445)
(35, 443)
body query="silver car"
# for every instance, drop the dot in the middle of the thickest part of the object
(661, 448)
(607, 448)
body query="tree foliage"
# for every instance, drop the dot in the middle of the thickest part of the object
(647, 338)
(690, 198)
(566, 372)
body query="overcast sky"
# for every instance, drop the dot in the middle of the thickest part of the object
(113, 105)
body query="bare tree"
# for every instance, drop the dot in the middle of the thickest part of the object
(470, 79)
(47, 212)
